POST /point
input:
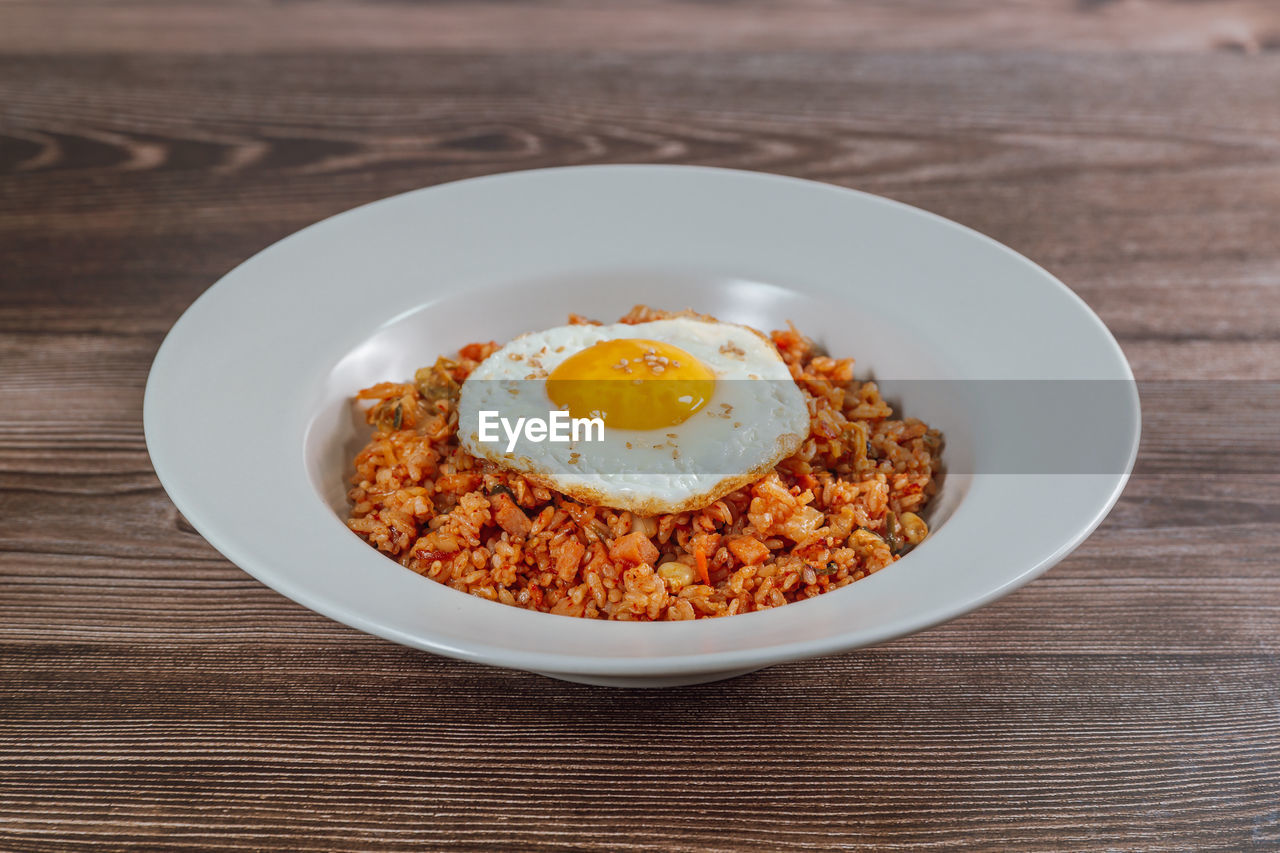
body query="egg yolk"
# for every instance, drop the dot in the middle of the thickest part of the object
(632, 383)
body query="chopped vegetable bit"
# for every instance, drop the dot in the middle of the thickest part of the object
(677, 575)
(437, 382)
(499, 488)
(700, 560)
(913, 527)
(891, 534)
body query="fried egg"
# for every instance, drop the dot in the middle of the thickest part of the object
(685, 411)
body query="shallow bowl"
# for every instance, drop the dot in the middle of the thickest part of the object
(250, 424)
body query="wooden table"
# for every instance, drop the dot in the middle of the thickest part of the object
(153, 697)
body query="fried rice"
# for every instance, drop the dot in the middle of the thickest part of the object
(844, 506)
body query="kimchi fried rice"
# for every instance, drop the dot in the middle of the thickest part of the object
(842, 507)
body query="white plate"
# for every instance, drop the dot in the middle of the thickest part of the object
(250, 427)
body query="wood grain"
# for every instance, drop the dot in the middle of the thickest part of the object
(154, 697)
(1248, 26)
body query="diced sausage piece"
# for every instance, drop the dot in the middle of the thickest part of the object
(568, 557)
(509, 516)
(633, 548)
(748, 549)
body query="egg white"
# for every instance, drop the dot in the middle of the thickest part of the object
(756, 417)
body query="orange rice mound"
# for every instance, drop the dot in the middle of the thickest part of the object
(844, 506)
